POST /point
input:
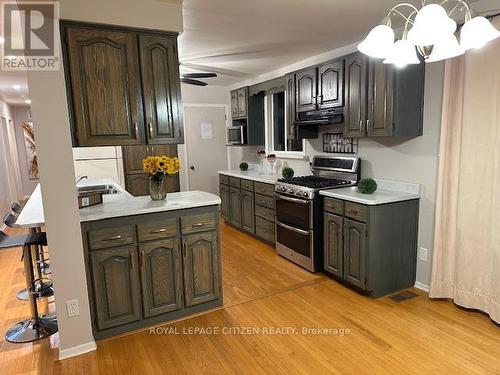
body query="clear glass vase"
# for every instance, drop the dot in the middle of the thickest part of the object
(158, 188)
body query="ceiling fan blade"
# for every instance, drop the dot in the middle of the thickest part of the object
(220, 71)
(199, 75)
(195, 82)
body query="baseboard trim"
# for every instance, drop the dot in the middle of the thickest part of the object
(77, 350)
(421, 286)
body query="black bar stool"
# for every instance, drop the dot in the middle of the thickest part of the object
(16, 208)
(36, 327)
(43, 288)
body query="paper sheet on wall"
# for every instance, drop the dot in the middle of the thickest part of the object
(207, 130)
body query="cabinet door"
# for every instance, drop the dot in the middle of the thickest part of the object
(355, 253)
(290, 107)
(243, 102)
(115, 277)
(105, 87)
(235, 112)
(137, 185)
(333, 244)
(132, 158)
(380, 100)
(161, 89)
(161, 276)
(356, 95)
(248, 212)
(305, 99)
(201, 268)
(225, 206)
(331, 85)
(235, 206)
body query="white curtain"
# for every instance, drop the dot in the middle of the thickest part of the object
(466, 263)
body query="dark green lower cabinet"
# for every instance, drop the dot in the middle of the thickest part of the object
(201, 268)
(248, 212)
(235, 206)
(161, 276)
(355, 253)
(115, 276)
(333, 233)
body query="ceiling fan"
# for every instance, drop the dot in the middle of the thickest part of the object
(193, 78)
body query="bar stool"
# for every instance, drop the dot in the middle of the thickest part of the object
(16, 208)
(36, 327)
(43, 288)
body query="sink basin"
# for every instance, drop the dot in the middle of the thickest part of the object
(104, 189)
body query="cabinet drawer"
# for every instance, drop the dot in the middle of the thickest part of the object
(110, 237)
(356, 211)
(247, 185)
(334, 206)
(223, 179)
(156, 230)
(264, 189)
(265, 213)
(234, 182)
(264, 229)
(198, 223)
(264, 201)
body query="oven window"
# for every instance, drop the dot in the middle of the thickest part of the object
(293, 214)
(298, 242)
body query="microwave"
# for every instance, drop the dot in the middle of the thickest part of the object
(236, 135)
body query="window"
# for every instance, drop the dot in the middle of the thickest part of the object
(278, 137)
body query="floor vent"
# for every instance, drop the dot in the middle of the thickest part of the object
(403, 296)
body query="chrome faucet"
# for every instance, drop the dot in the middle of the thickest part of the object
(78, 179)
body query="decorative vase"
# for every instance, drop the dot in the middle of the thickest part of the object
(157, 188)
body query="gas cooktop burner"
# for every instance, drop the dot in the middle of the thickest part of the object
(315, 182)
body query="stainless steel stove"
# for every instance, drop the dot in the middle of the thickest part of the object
(299, 225)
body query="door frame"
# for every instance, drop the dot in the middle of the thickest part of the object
(13, 171)
(183, 149)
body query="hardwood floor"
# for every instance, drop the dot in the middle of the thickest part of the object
(263, 291)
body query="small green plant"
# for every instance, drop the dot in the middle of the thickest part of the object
(367, 186)
(244, 166)
(287, 173)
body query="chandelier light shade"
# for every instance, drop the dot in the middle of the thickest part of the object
(477, 32)
(431, 25)
(446, 49)
(430, 31)
(378, 43)
(402, 53)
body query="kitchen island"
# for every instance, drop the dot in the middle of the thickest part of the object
(146, 262)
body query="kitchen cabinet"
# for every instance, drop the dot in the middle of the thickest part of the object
(248, 212)
(201, 268)
(371, 248)
(331, 85)
(290, 117)
(122, 84)
(224, 196)
(147, 269)
(306, 90)
(235, 206)
(161, 89)
(115, 277)
(161, 276)
(382, 100)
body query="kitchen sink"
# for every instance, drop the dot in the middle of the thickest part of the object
(104, 189)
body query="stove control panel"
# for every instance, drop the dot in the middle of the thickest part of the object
(296, 191)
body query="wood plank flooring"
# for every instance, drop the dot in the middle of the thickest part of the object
(263, 291)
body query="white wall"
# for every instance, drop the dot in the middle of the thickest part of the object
(5, 199)
(413, 160)
(49, 110)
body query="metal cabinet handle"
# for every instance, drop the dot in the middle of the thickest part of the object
(150, 128)
(136, 128)
(354, 212)
(360, 123)
(368, 124)
(119, 237)
(198, 225)
(158, 231)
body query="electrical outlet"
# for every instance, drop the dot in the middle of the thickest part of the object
(423, 254)
(72, 308)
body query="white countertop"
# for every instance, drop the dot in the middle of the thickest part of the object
(253, 175)
(118, 205)
(387, 192)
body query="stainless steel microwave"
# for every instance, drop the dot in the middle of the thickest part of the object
(236, 135)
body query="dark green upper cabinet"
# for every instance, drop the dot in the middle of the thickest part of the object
(161, 89)
(331, 85)
(382, 100)
(122, 85)
(306, 90)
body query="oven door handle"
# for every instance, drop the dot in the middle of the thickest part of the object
(300, 231)
(295, 200)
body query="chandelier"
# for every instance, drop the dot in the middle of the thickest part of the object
(430, 30)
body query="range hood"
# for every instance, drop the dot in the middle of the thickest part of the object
(321, 117)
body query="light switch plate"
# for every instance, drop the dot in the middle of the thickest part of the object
(72, 308)
(423, 254)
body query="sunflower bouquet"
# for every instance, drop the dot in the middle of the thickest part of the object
(158, 167)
